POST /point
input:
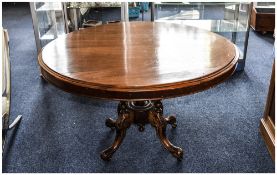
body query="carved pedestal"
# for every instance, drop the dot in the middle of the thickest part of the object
(141, 113)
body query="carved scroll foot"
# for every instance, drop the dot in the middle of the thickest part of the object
(108, 153)
(159, 122)
(172, 121)
(110, 123)
(121, 125)
(141, 113)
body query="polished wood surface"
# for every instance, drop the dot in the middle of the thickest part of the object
(267, 125)
(138, 61)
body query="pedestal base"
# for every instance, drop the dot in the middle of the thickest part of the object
(141, 113)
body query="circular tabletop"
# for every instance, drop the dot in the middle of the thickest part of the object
(138, 60)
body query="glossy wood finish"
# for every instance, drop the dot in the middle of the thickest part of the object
(138, 61)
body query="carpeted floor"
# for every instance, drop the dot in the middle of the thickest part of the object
(61, 132)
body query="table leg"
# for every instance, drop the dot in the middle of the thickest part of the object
(141, 113)
(159, 122)
(123, 122)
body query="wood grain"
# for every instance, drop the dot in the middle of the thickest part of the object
(138, 61)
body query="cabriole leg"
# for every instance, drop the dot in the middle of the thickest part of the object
(159, 122)
(121, 125)
(141, 113)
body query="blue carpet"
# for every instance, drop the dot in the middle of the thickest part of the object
(62, 132)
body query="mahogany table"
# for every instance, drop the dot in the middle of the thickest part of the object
(139, 64)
